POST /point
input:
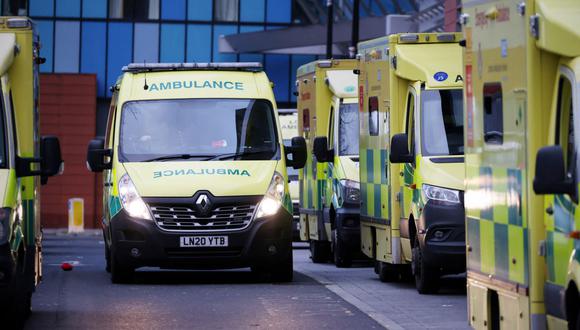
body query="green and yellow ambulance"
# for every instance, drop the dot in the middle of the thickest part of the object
(26, 162)
(329, 195)
(522, 91)
(195, 171)
(289, 127)
(411, 156)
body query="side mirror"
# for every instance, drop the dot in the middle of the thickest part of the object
(51, 163)
(321, 151)
(298, 151)
(400, 149)
(96, 154)
(551, 177)
(48, 164)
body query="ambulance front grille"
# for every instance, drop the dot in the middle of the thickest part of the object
(183, 218)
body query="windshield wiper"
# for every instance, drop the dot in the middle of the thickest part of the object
(178, 156)
(238, 154)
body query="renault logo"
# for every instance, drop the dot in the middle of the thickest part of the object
(203, 204)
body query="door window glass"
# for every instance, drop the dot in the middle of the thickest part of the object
(374, 116)
(565, 128)
(492, 113)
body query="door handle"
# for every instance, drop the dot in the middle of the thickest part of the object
(550, 210)
(108, 184)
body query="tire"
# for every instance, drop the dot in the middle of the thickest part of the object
(340, 256)
(284, 271)
(426, 278)
(387, 272)
(119, 273)
(107, 258)
(319, 251)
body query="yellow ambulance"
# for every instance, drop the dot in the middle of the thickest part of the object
(522, 91)
(411, 156)
(289, 127)
(195, 171)
(329, 195)
(26, 162)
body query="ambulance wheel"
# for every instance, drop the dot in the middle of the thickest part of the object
(387, 272)
(119, 272)
(426, 278)
(340, 256)
(319, 251)
(284, 271)
(107, 258)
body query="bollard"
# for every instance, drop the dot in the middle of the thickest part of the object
(76, 215)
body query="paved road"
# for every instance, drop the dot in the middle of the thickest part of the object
(84, 298)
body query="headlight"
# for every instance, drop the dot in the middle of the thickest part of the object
(351, 190)
(272, 201)
(441, 194)
(130, 199)
(4, 225)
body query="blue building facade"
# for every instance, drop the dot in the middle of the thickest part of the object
(101, 36)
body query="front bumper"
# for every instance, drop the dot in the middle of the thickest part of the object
(160, 248)
(348, 226)
(442, 236)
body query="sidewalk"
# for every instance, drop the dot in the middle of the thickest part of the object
(393, 305)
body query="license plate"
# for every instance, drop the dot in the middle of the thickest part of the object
(203, 241)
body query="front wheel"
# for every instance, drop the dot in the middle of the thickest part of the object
(119, 273)
(282, 271)
(426, 278)
(341, 257)
(319, 251)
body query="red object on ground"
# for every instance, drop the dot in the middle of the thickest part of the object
(66, 266)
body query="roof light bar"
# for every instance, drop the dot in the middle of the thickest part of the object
(446, 37)
(409, 38)
(224, 66)
(17, 23)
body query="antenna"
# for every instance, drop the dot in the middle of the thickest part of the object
(145, 87)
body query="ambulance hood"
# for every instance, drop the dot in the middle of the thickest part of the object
(184, 179)
(350, 168)
(437, 172)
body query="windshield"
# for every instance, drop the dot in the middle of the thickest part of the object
(442, 122)
(348, 129)
(197, 128)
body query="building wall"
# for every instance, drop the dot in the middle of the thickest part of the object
(452, 11)
(68, 110)
(101, 36)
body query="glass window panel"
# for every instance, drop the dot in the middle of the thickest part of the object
(172, 43)
(45, 31)
(37, 8)
(198, 43)
(251, 57)
(173, 9)
(279, 11)
(222, 30)
(67, 43)
(278, 70)
(68, 8)
(94, 41)
(226, 10)
(199, 10)
(134, 9)
(252, 10)
(146, 46)
(95, 8)
(120, 50)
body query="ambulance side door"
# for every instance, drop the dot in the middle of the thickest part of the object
(561, 208)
